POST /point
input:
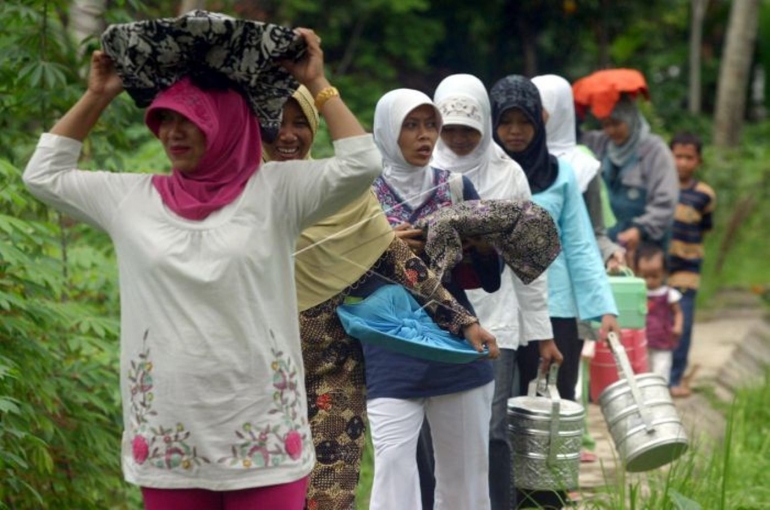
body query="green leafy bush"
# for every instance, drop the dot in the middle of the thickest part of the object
(60, 417)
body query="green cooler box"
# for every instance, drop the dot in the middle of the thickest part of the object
(630, 294)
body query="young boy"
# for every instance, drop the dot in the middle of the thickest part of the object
(693, 218)
(664, 314)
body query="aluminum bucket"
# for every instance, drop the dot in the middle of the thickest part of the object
(546, 435)
(641, 417)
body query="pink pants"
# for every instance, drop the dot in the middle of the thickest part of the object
(288, 496)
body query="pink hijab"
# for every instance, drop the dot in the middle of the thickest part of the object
(233, 149)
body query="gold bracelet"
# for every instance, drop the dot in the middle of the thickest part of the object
(325, 94)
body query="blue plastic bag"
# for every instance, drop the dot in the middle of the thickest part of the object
(391, 318)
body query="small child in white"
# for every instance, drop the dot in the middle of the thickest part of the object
(664, 314)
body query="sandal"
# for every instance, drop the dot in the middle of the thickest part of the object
(680, 391)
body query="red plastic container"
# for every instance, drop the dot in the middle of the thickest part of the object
(603, 371)
(638, 338)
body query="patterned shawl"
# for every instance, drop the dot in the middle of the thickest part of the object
(522, 232)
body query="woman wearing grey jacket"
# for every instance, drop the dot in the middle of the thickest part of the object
(639, 171)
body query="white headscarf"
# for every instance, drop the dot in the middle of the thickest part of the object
(412, 183)
(462, 99)
(556, 94)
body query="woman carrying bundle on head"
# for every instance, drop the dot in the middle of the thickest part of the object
(214, 404)
(637, 165)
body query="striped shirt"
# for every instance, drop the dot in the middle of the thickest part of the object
(692, 219)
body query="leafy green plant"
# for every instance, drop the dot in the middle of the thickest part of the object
(60, 417)
(59, 402)
(735, 249)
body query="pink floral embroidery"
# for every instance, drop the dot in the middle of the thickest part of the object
(273, 444)
(140, 449)
(164, 447)
(257, 446)
(293, 444)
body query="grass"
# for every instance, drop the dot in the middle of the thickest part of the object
(735, 249)
(364, 489)
(731, 474)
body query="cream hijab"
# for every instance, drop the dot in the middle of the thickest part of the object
(462, 99)
(556, 93)
(413, 184)
(337, 251)
(304, 99)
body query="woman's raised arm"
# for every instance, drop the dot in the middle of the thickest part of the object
(104, 85)
(310, 72)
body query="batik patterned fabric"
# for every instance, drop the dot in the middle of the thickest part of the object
(152, 55)
(336, 394)
(523, 233)
(334, 375)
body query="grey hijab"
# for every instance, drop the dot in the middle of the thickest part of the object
(627, 111)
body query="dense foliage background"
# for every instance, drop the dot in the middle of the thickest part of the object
(59, 401)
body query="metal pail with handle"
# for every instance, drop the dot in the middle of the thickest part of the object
(546, 435)
(642, 419)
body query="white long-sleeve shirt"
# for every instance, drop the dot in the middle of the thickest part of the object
(515, 313)
(211, 368)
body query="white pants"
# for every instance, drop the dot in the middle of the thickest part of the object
(660, 362)
(459, 424)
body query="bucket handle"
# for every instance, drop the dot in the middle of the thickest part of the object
(625, 372)
(548, 389)
(621, 271)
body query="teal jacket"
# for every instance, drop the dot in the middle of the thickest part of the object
(577, 282)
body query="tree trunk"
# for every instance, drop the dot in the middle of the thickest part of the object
(602, 35)
(353, 41)
(696, 38)
(86, 18)
(191, 5)
(734, 72)
(528, 38)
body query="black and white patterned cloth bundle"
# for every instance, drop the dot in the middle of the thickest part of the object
(151, 55)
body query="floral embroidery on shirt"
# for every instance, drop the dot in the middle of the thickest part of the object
(272, 444)
(163, 447)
